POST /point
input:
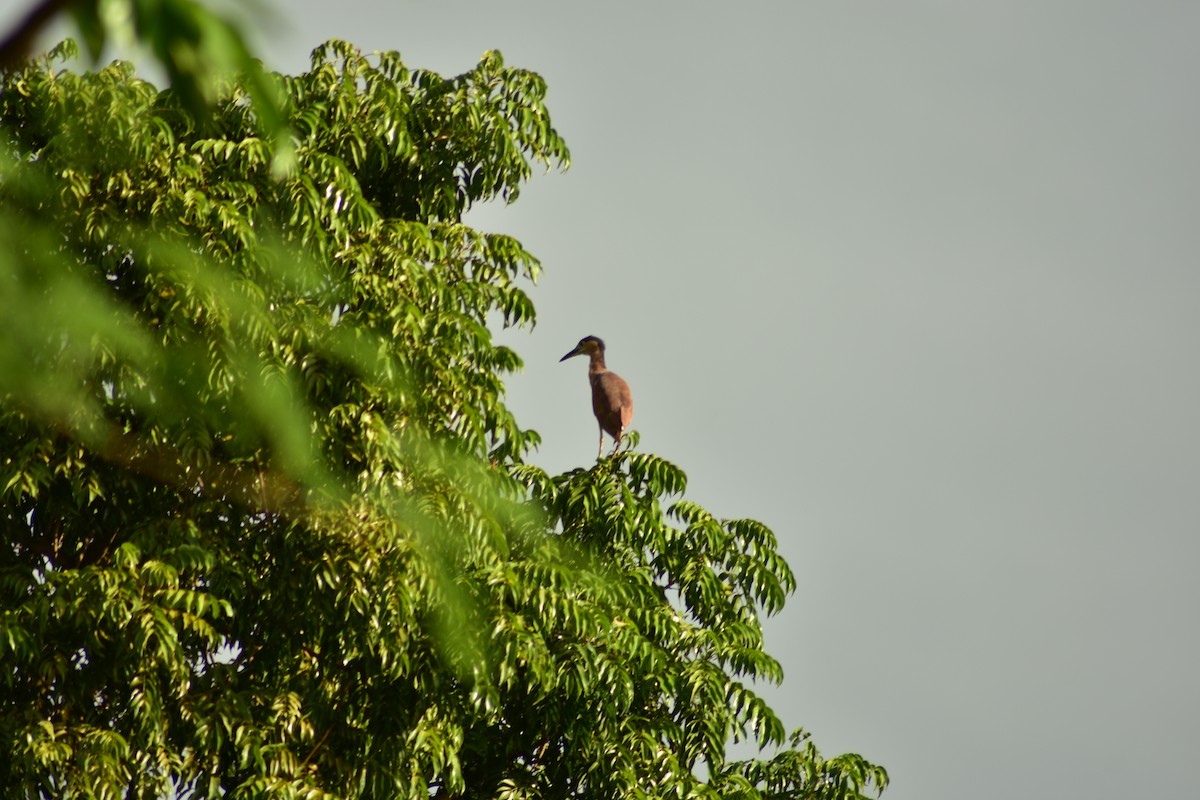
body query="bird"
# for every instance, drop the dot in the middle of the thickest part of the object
(612, 402)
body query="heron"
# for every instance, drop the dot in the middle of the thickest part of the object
(612, 401)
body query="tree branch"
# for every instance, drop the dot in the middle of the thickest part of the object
(252, 488)
(16, 47)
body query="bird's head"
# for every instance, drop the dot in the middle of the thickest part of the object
(587, 345)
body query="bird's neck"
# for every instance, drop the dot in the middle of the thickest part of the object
(596, 364)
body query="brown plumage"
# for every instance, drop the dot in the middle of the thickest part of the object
(612, 401)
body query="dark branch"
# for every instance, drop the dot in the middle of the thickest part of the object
(16, 47)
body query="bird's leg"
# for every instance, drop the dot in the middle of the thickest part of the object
(600, 449)
(617, 442)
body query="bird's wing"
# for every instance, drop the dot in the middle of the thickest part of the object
(613, 403)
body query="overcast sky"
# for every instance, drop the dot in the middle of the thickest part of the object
(918, 285)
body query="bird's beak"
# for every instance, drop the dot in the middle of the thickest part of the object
(574, 352)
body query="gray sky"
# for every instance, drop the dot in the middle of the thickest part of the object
(916, 284)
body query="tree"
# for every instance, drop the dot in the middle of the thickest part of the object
(269, 528)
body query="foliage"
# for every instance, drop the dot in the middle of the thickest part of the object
(269, 528)
(191, 43)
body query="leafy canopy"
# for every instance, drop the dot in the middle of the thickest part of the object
(269, 528)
